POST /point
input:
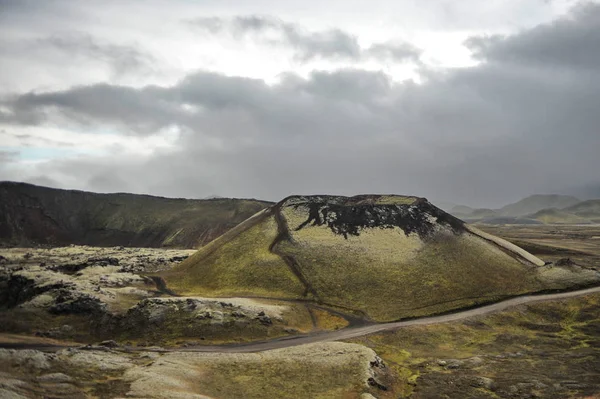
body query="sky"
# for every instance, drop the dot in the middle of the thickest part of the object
(472, 102)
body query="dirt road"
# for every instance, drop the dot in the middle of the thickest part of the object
(348, 333)
(338, 335)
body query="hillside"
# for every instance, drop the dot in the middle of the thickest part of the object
(385, 257)
(33, 215)
(586, 209)
(535, 203)
(558, 216)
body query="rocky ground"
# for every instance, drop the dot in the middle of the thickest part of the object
(541, 350)
(330, 370)
(89, 294)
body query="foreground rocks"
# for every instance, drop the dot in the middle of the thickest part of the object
(187, 320)
(94, 294)
(318, 370)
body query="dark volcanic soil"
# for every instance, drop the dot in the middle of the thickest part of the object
(347, 216)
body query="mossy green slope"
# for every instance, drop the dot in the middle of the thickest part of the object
(386, 257)
(238, 263)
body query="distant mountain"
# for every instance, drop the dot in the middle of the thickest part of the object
(444, 205)
(483, 213)
(583, 212)
(461, 210)
(558, 216)
(589, 209)
(34, 215)
(535, 203)
(507, 220)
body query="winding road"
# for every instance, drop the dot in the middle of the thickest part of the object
(353, 332)
(346, 333)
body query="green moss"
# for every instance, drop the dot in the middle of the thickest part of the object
(381, 273)
(328, 321)
(180, 327)
(542, 342)
(389, 276)
(395, 200)
(243, 266)
(32, 321)
(322, 371)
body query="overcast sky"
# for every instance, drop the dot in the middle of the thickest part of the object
(474, 102)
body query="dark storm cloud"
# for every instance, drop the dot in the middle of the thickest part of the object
(518, 123)
(571, 42)
(122, 58)
(308, 45)
(139, 110)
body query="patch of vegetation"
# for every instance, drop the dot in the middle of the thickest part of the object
(389, 275)
(328, 321)
(331, 370)
(78, 328)
(548, 349)
(243, 266)
(231, 324)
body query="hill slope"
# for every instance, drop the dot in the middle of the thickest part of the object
(558, 216)
(586, 209)
(535, 203)
(386, 257)
(31, 215)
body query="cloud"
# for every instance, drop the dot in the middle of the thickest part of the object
(520, 122)
(570, 42)
(29, 140)
(395, 51)
(122, 58)
(308, 45)
(8, 159)
(8, 156)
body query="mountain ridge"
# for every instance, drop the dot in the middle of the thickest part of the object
(36, 215)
